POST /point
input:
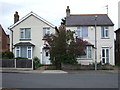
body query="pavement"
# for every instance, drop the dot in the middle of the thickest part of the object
(58, 71)
(33, 71)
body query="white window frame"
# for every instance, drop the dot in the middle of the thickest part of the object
(105, 48)
(103, 29)
(17, 48)
(46, 30)
(23, 29)
(87, 53)
(30, 50)
(80, 31)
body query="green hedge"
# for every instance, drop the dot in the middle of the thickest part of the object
(7, 55)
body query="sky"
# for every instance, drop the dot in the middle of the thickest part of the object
(54, 10)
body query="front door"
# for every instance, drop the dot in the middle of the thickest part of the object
(105, 55)
(46, 57)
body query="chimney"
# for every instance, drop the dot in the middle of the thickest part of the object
(67, 12)
(16, 17)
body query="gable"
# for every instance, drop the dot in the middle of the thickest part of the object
(28, 16)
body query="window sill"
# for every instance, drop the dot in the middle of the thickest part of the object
(105, 38)
(25, 39)
(85, 58)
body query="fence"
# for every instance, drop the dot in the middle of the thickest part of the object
(16, 63)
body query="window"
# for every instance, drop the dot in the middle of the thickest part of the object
(104, 32)
(105, 55)
(88, 53)
(17, 52)
(46, 31)
(47, 54)
(82, 31)
(25, 33)
(29, 50)
(24, 52)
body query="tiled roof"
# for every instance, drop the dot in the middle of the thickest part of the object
(24, 44)
(88, 20)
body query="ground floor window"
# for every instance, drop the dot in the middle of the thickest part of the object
(105, 55)
(24, 51)
(88, 53)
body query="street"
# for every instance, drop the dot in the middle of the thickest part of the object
(40, 80)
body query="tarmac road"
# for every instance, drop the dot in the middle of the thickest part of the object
(44, 80)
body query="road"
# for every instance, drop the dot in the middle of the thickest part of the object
(40, 80)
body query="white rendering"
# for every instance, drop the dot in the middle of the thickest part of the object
(84, 27)
(26, 37)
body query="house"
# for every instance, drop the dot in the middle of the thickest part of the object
(26, 37)
(4, 40)
(85, 26)
(117, 46)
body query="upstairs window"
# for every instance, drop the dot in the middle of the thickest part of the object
(82, 32)
(46, 31)
(104, 32)
(25, 33)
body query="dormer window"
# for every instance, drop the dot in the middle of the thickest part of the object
(25, 33)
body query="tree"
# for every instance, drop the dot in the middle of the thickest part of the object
(64, 48)
(63, 21)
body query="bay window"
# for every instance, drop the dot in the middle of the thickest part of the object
(88, 53)
(24, 51)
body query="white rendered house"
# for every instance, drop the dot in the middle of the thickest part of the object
(84, 27)
(26, 37)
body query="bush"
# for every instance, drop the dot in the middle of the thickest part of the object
(7, 55)
(36, 62)
(21, 58)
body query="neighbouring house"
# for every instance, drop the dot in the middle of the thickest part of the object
(84, 26)
(27, 37)
(117, 46)
(4, 40)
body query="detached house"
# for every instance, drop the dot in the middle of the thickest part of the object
(26, 37)
(84, 26)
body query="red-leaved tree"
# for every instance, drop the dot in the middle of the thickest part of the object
(64, 48)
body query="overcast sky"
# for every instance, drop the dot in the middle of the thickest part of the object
(54, 10)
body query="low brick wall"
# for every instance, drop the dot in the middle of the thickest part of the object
(86, 67)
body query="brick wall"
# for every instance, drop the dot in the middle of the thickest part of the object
(4, 40)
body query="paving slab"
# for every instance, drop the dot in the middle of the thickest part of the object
(54, 71)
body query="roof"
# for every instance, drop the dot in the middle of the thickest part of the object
(3, 30)
(88, 20)
(31, 14)
(117, 30)
(24, 44)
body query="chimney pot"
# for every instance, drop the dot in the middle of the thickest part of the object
(16, 17)
(67, 12)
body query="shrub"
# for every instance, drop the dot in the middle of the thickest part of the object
(21, 58)
(36, 62)
(7, 55)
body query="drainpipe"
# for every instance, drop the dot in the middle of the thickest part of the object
(11, 39)
(95, 42)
